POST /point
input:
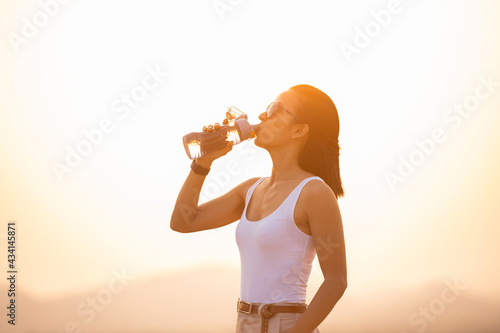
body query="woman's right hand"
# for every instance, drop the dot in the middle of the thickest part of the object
(206, 160)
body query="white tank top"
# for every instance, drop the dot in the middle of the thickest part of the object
(276, 256)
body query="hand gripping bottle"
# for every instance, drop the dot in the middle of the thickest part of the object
(238, 129)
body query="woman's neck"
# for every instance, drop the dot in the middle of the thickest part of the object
(285, 166)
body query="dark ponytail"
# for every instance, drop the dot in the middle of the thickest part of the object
(320, 155)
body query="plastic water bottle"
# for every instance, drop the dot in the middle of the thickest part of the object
(238, 129)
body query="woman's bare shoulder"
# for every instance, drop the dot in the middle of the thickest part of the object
(244, 186)
(317, 189)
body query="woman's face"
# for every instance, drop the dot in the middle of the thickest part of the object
(277, 130)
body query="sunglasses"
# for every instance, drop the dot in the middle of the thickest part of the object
(275, 106)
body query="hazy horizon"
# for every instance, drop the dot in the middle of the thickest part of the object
(164, 302)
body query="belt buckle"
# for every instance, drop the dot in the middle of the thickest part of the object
(249, 309)
(266, 310)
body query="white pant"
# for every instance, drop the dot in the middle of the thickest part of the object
(278, 323)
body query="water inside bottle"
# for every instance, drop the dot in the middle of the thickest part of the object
(194, 150)
(232, 133)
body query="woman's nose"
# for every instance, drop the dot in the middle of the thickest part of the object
(263, 116)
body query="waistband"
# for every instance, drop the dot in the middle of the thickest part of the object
(260, 308)
(267, 310)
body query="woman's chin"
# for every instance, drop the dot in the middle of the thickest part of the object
(259, 143)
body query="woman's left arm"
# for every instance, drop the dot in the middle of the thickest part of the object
(325, 222)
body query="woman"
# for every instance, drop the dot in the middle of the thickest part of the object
(285, 219)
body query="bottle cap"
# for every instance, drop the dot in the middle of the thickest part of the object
(246, 130)
(233, 113)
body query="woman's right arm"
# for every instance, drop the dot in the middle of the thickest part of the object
(187, 216)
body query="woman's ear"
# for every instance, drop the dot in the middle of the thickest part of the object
(300, 130)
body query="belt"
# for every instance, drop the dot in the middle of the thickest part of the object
(268, 310)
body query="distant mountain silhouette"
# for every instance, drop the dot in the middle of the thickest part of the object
(202, 300)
